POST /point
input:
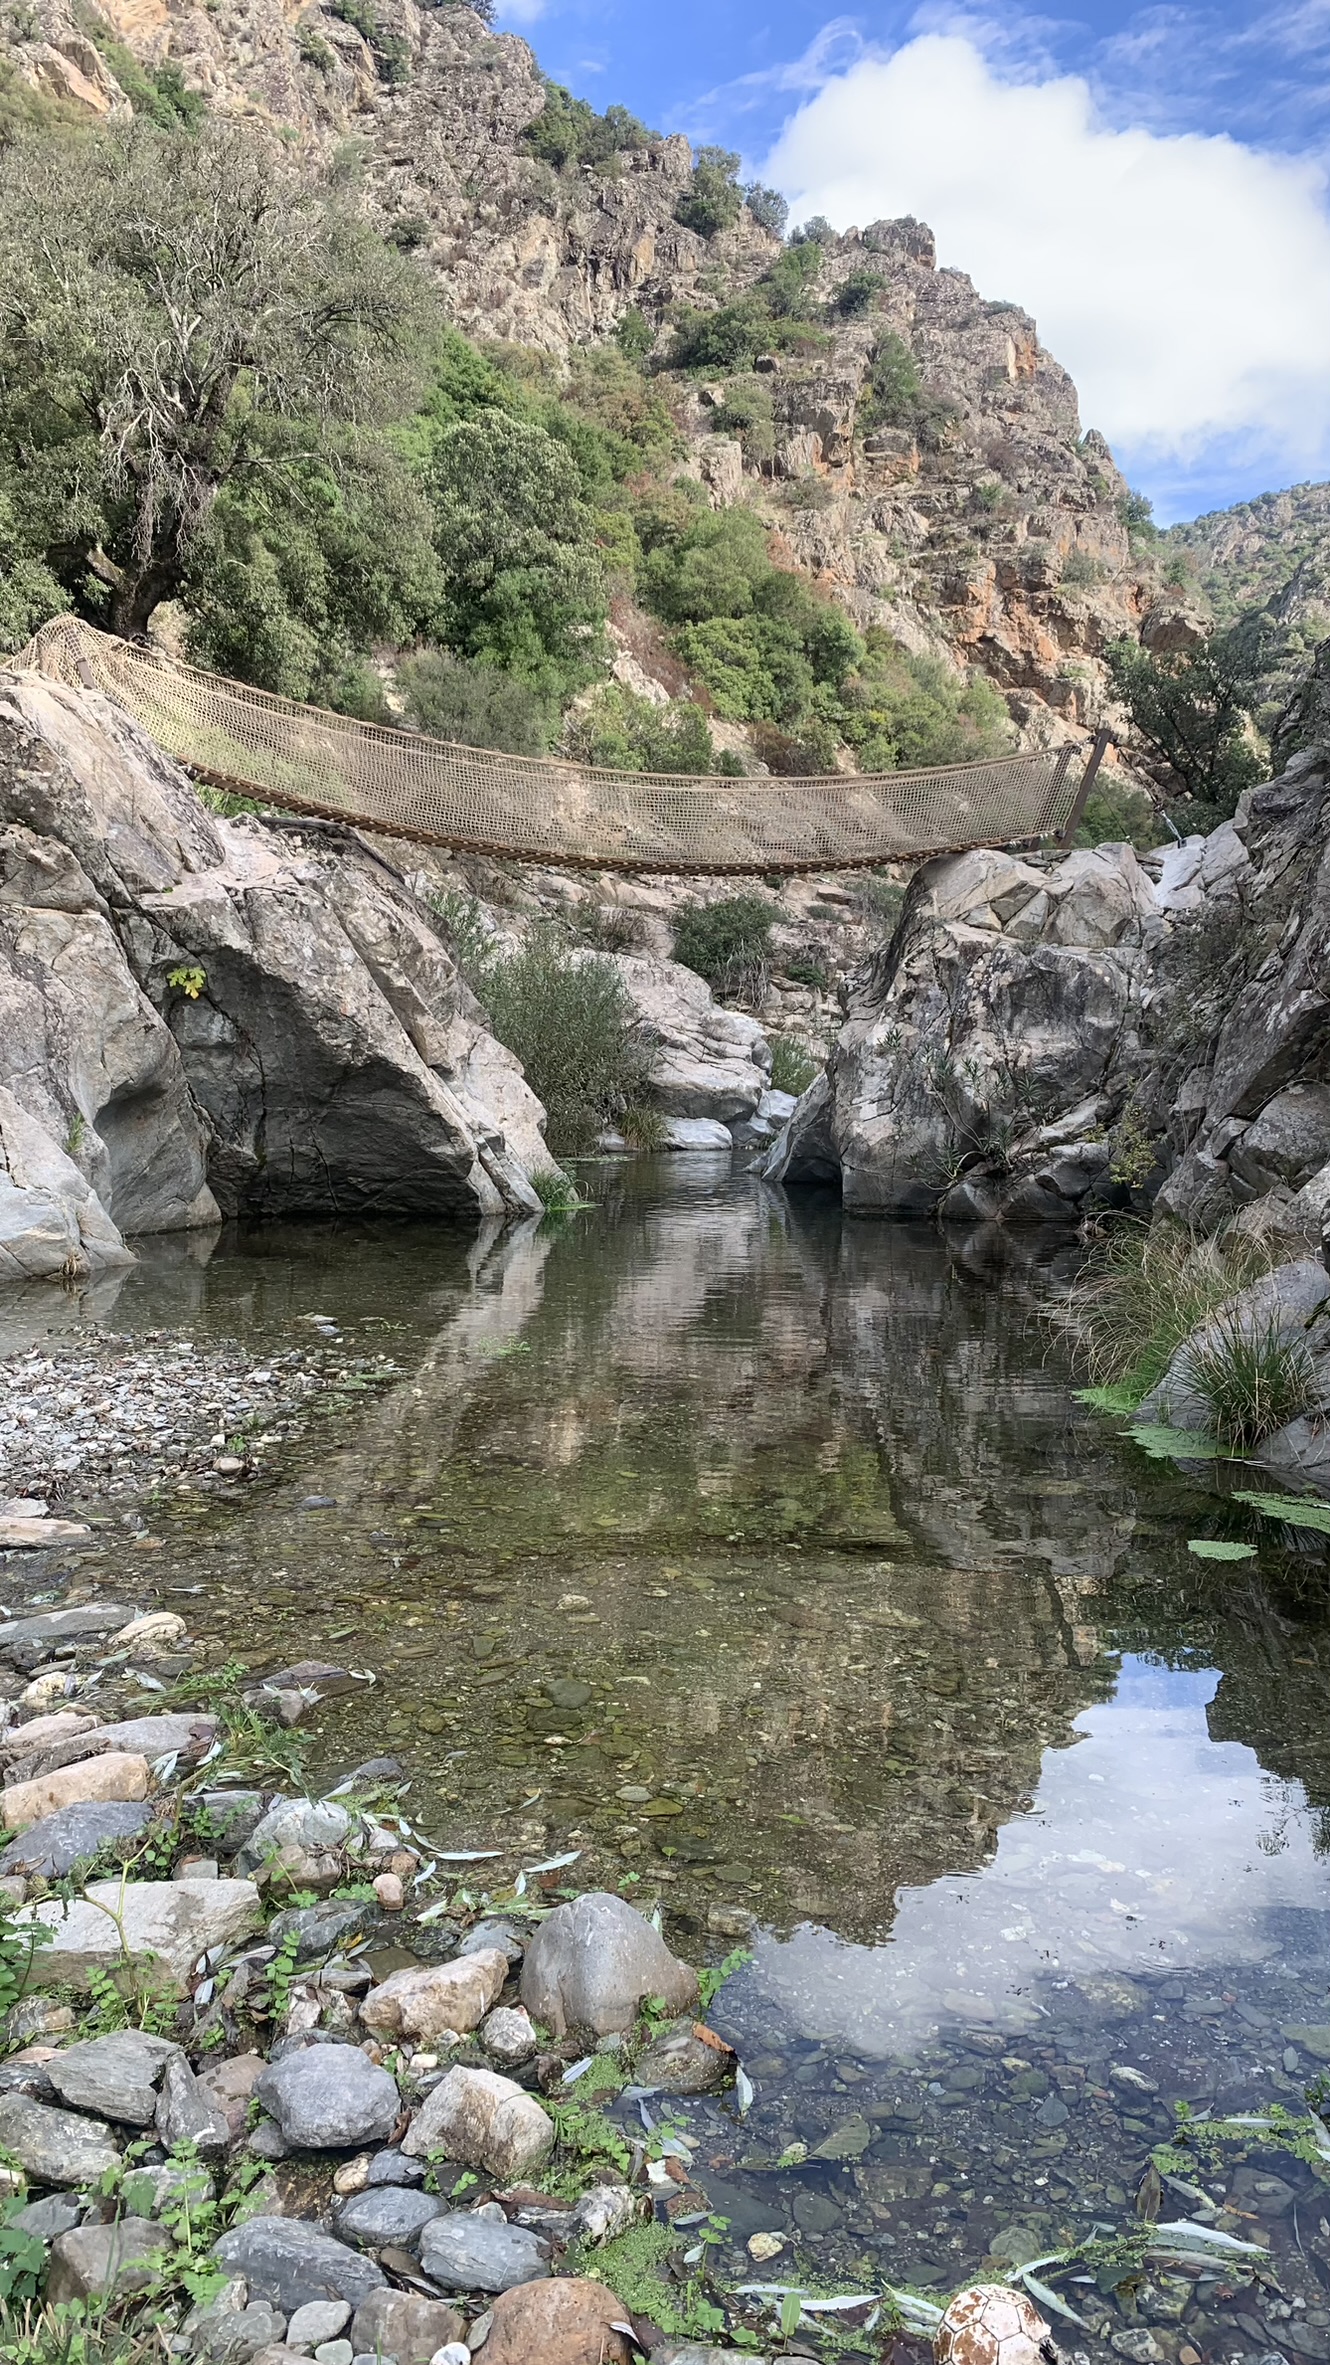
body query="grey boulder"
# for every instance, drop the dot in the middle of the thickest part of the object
(468, 2250)
(286, 2261)
(73, 1834)
(115, 2076)
(188, 2113)
(329, 2097)
(592, 1962)
(397, 2324)
(53, 2146)
(95, 2260)
(387, 2213)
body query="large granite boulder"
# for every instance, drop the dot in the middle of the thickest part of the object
(707, 1062)
(200, 1016)
(988, 1045)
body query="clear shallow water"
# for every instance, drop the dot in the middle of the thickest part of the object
(790, 1528)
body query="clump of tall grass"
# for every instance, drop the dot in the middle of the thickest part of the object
(1251, 1376)
(1144, 1292)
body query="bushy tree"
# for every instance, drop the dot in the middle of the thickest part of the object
(296, 572)
(713, 199)
(623, 732)
(163, 300)
(768, 208)
(473, 705)
(29, 592)
(567, 132)
(1192, 709)
(898, 712)
(523, 585)
(569, 1019)
(726, 942)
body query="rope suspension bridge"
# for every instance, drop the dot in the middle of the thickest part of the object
(478, 800)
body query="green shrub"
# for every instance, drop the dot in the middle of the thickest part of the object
(746, 412)
(1192, 709)
(793, 1067)
(726, 942)
(523, 585)
(472, 705)
(568, 132)
(391, 52)
(857, 293)
(1080, 568)
(713, 200)
(157, 92)
(623, 732)
(1252, 1377)
(569, 1020)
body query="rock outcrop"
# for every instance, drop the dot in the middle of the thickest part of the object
(1043, 1035)
(202, 1017)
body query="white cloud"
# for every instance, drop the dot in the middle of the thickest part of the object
(1184, 281)
(520, 12)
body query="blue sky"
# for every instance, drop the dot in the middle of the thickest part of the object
(1151, 183)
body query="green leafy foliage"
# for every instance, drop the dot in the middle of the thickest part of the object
(623, 732)
(22, 2259)
(472, 704)
(768, 208)
(1117, 815)
(711, 1980)
(896, 396)
(157, 92)
(793, 1067)
(570, 1022)
(181, 313)
(713, 199)
(19, 1942)
(1192, 709)
(390, 51)
(725, 942)
(1143, 1292)
(523, 585)
(568, 132)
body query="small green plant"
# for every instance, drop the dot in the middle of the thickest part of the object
(643, 1127)
(1079, 568)
(280, 1975)
(808, 968)
(793, 1068)
(19, 1942)
(1134, 1149)
(187, 981)
(711, 1981)
(1143, 1292)
(22, 2259)
(557, 1192)
(1252, 1376)
(314, 50)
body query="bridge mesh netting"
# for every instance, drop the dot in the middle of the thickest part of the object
(308, 760)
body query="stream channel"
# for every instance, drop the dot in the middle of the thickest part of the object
(766, 1558)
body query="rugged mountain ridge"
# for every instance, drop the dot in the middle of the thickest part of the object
(973, 519)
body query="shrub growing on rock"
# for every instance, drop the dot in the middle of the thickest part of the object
(726, 942)
(570, 1021)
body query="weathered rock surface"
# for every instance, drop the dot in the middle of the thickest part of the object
(707, 1061)
(568, 2322)
(116, 1775)
(329, 2097)
(442, 1996)
(187, 2113)
(95, 2260)
(387, 2213)
(330, 1057)
(168, 1923)
(55, 2146)
(679, 2061)
(468, 2250)
(398, 2324)
(592, 1961)
(289, 2262)
(483, 2120)
(59, 1841)
(114, 2076)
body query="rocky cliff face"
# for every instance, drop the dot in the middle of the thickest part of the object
(200, 1019)
(989, 532)
(1043, 1036)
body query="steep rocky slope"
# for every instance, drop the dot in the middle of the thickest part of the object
(967, 514)
(1244, 556)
